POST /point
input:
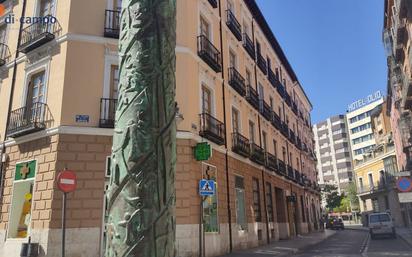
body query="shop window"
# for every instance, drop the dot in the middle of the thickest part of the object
(20, 217)
(210, 203)
(256, 200)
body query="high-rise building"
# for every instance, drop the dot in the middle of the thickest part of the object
(333, 152)
(359, 124)
(235, 90)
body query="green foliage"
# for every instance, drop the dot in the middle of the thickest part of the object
(344, 205)
(332, 197)
(351, 193)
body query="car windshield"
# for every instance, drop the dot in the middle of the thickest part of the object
(379, 218)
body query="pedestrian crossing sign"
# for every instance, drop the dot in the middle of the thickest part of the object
(206, 187)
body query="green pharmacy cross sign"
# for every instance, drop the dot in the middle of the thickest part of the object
(203, 151)
(25, 170)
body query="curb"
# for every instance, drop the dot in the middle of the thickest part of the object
(404, 238)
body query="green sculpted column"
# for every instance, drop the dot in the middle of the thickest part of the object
(141, 197)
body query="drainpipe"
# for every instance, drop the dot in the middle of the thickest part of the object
(229, 211)
(260, 144)
(13, 83)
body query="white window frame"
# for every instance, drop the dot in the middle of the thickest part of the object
(43, 65)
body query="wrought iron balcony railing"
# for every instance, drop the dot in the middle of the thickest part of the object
(281, 90)
(38, 34)
(237, 81)
(295, 108)
(233, 25)
(27, 120)
(292, 137)
(276, 122)
(212, 129)
(257, 154)
(288, 99)
(107, 112)
(271, 162)
(261, 63)
(112, 23)
(4, 54)
(282, 167)
(209, 53)
(265, 110)
(252, 97)
(272, 78)
(291, 173)
(240, 144)
(248, 45)
(213, 3)
(285, 130)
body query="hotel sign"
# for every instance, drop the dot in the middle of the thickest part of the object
(365, 101)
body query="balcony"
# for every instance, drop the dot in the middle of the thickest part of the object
(292, 137)
(240, 144)
(27, 120)
(265, 110)
(233, 25)
(272, 78)
(271, 162)
(252, 97)
(212, 129)
(4, 54)
(282, 167)
(213, 3)
(248, 45)
(288, 99)
(295, 108)
(107, 112)
(298, 177)
(298, 143)
(261, 63)
(209, 53)
(257, 154)
(276, 122)
(407, 94)
(237, 81)
(304, 147)
(38, 34)
(291, 173)
(281, 90)
(285, 130)
(112, 24)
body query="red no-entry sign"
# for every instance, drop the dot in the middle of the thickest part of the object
(66, 181)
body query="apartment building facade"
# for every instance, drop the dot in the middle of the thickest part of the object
(235, 90)
(397, 42)
(376, 171)
(333, 152)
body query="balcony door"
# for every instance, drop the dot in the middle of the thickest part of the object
(111, 103)
(117, 5)
(204, 28)
(36, 91)
(46, 7)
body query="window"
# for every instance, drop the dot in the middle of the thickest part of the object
(268, 61)
(284, 153)
(302, 206)
(261, 93)
(362, 139)
(375, 205)
(280, 112)
(256, 200)
(248, 78)
(46, 7)
(20, 218)
(269, 200)
(210, 204)
(370, 180)
(240, 203)
(251, 132)
(235, 120)
(3, 31)
(280, 205)
(36, 89)
(204, 28)
(275, 148)
(271, 103)
(206, 100)
(114, 82)
(360, 184)
(230, 6)
(232, 59)
(382, 179)
(264, 138)
(257, 47)
(246, 28)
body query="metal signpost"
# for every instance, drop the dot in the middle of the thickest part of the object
(206, 188)
(66, 182)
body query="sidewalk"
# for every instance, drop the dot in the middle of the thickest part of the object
(284, 247)
(405, 234)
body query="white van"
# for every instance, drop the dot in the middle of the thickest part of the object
(381, 224)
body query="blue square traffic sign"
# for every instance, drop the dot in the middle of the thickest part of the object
(206, 187)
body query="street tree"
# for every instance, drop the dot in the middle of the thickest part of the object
(332, 197)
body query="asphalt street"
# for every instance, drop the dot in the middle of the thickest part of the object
(346, 243)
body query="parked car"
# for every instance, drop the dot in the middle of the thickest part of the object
(335, 223)
(381, 224)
